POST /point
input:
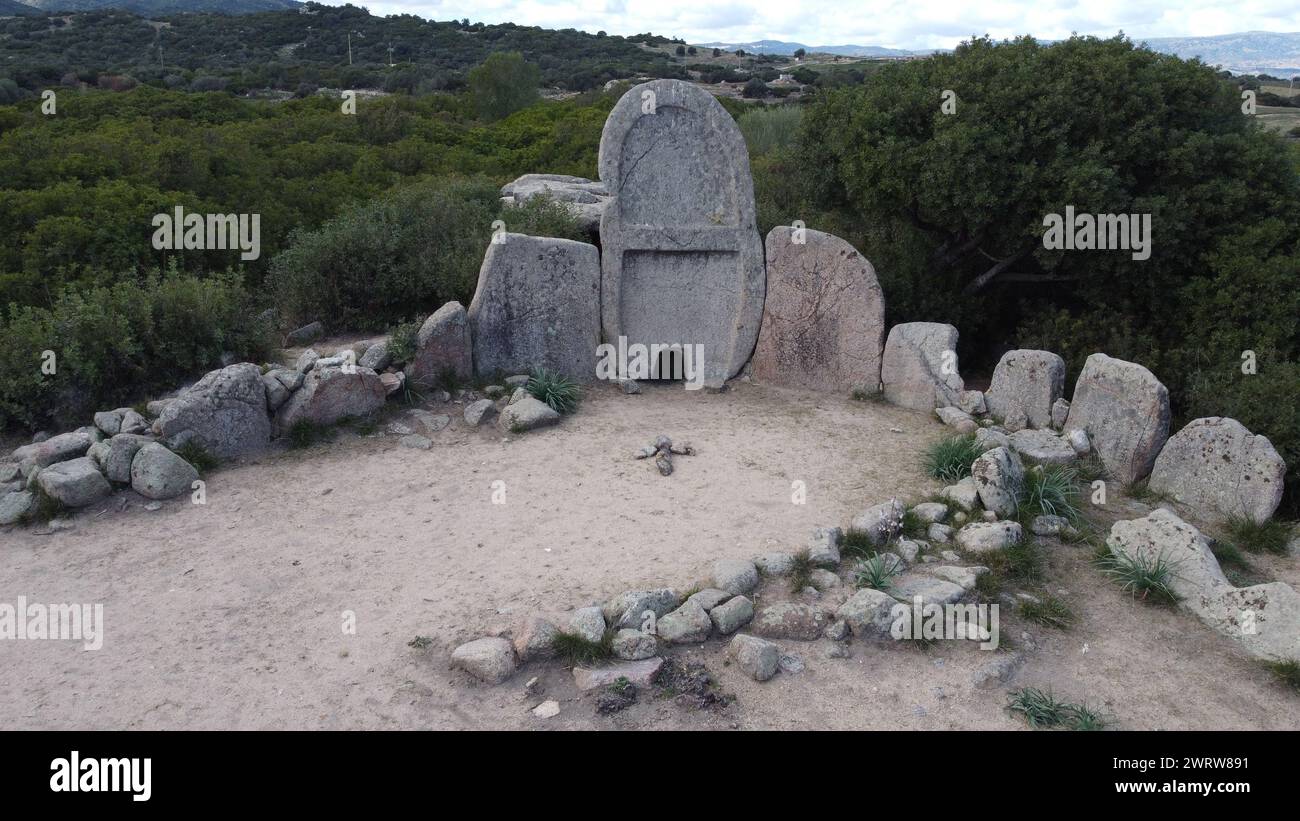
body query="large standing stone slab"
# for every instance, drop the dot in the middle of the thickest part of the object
(224, 412)
(537, 305)
(681, 258)
(1028, 382)
(824, 315)
(919, 369)
(1219, 467)
(1125, 411)
(442, 344)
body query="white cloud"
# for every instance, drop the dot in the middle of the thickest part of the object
(895, 23)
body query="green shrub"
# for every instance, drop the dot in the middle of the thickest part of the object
(403, 341)
(555, 390)
(417, 247)
(114, 345)
(950, 459)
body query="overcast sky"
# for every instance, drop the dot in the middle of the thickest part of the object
(912, 24)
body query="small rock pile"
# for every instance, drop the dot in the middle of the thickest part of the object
(662, 450)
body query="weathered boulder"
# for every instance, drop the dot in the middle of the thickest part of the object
(377, 357)
(1029, 382)
(823, 322)
(537, 306)
(709, 598)
(919, 368)
(1220, 468)
(640, 673)
(735, 576)
(1195, 575)
(629, 609)
(443, 344)
(59, 448)
(963, 577)
(633, 645)
(1125, 411)
(998, 478)
(774, 564)
(984, 537)
(535, 638)
(110, 422)
(1042, 447)
(480, 411)
(589, 623)
(788, 620)
(489, 659)
(681, 258)
(1265, 618)
(528, 413)
(758, 659)
(930, 512)
(116, 463)
(931, 589)
(687, 624)
(74, 483)
(16, 505)
(583, 198)
(305, 335)
(1060, 412)
(733, 615)
(329, 394)
(157, 473)
(224, 412)
(824, 549)
(868, 612)
(964, 493)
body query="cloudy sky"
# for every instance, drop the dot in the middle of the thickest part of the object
(913, 24)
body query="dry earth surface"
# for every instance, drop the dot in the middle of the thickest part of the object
(230, 615)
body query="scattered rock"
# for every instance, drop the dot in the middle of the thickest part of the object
(964, 494)
(930, 512)
(736, 576)
(709, 598)
(1078, 439)
(1000, 669)
(931, 589)
(534, 639)
(225, 413)
(837, 630)
(1060, 412)
(788, 620)
(759, 659)
(443, 344)
(74, 483)
(790, 664)
(1042, 447)
(983, 537)
(963, 577)
(377, 357)
(868, 612)
(54, 449)
(330, 394)
(1216, 465)
(998, 476)
(547, 709)
(1026, 382)
(589, 623)
(919, 368)
(880, 522)
(528, 413)
(1125, 411)
(157, 473)
(939, 533)
(824, 580)
(640, 673)
(631, 387)
(688, 624)
(1051, 526)
(972, 402)
(775, 564)
(733, 615)
(489, 659)
(824, 549)
(633, 645)
(628, 609)
(16, 505)
(416, 442)
(483, 410)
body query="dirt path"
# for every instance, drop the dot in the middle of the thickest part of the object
(230, 614)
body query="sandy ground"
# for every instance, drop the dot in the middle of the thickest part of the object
(230, 615)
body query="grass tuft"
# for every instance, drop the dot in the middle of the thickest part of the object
(1050, 490)
(1021, 562)
(198, 456)
(304, 433)
(1147, 578)
(1267, 537)
(1286, 672)
(577, 650)
(857, 543)
(950, 459)
(1042, 710)
(555, 390)
(1048, 611)
(801, 571)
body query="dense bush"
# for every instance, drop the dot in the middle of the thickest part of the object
(118, 344)
(412, 250)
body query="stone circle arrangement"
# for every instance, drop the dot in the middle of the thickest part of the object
(681, 262)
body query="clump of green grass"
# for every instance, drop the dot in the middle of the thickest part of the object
(1259, 537)
(1286, 672)
(1021, 562)
(1142, 492)
(304, 433)
(801, 570)
(857, 543)
(864, 395)
(988, 587)
(578, 650)
(1050, 490)
(555, 390)
(950, 459)
(913, 526)
(1042, 710)
(1146, 577)
(1048, 611)
(420, 642)
(1229, 556)
(877, 572)
(198, 456)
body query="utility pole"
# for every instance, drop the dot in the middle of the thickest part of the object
(390, 55)
(349, 48)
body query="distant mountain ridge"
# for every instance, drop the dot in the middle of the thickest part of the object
(1247, 52)
(12, 8)
(159, 7)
